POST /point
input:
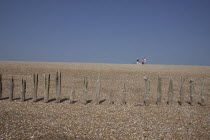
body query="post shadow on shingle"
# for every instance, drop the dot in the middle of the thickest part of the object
(40, 99)
(27, 99)
(64, 99)
(5, 98)
(89, 101)
(51, 100)
(101, 101)
(18, 98)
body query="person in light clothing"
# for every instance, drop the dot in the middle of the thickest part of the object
(137, 61)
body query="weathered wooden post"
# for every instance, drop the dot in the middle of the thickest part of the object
(146, 91)
(72, 97)
(11, 89)
(192, 92)
(23, 92)
(202, 94)
(123, 95)
(46, 87)
(181, 92)
(170, 92)
(0, 86)
(110, 98)
(85, 90)
(35, 82)
(58, 87)
(159, 91)
(97, 92)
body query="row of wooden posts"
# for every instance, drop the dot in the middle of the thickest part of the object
(97, 92)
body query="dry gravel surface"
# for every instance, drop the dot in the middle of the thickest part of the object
(134, 120)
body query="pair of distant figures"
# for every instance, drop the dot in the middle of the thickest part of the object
(143, 61)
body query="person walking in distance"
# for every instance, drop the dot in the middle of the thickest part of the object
(142, 61)
(137, 61)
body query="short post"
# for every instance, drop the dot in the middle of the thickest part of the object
(110, 98)
(23, 92)
(0, 86)
(146, 91)
(46, 87)
(97, 92)
(123, 95)
(85, 90)
(58, 87)
(159, 90)
(11, 89)
(72, 97)
(192, 92)
(202, 94)
(181, 92)
(170, 92)
(35, 82)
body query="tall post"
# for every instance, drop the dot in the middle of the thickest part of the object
(181, 92)
(110, 99)
(202, 94)
(85, 90)
(0, 86)
(23, 92)
(72, 97)
(192, 92)
(170, 92)
(97, 92)
(11, 89)
(146, 91)
(58, 87)
(46, 87)
(35, 82)
(159, 90)
(123, 95)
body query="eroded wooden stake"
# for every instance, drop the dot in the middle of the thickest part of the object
(182, 92)
(23, 92)
(72, 97)
(58, 87)
(11, 89)
(97, 92)
(123, 95)
(202, 94)
(159, 91)
(170, 92)
(46, 87)
(0, 86)
(35, 82)
(146, 91)
(85, 91)
(192, 92)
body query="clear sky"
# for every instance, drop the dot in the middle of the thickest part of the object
(106, 31)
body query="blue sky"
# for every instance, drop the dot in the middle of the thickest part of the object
(106, 31)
